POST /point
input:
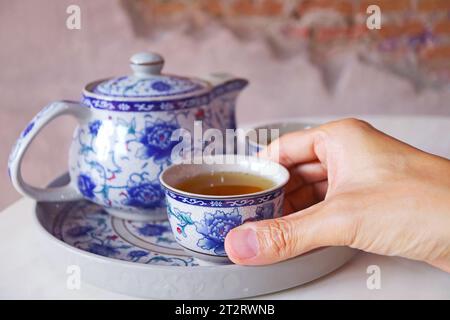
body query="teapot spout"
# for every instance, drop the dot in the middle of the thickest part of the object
(224, 92)
(223, 83)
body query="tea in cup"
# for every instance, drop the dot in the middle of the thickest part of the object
(205, 201)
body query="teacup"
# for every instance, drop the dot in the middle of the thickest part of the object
(256, 143)
(201, 222)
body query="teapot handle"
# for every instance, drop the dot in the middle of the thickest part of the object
(65, 193)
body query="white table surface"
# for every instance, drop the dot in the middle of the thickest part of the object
(25, 273)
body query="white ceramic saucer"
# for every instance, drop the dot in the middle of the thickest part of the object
(142, 258)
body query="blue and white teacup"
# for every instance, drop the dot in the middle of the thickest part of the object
(200, 222)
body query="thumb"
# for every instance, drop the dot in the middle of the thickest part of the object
(274, 240)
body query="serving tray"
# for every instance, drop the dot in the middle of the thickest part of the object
(142, 259)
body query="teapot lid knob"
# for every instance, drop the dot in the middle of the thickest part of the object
(146, 64)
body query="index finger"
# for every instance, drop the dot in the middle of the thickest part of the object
(294, 148)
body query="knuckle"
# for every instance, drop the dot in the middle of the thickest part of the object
(321, 133)
(345, 131)
(349, 123)
(355, 123)
(321, 138)
(278, 238)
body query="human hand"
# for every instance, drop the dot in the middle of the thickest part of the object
(352, 185)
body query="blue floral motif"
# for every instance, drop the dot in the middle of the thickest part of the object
(184, 219)
(162, 105)
(94, 126)
(241, 202)
(152, 230)
(136, 254)
(79, 231)
(147, 87)
(28, 129)
(86, 186)
(214, 228)
(145, 195)
(103, 249)
(157, 143)
(140, 145)
(161, 86)
(86, 226)
(263, 212)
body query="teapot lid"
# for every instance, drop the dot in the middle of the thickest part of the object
(147, 81)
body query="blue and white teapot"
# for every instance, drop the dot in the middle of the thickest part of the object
(123, 140)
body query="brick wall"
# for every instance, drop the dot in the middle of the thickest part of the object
(414, 38)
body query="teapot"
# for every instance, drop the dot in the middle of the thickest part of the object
(123, 140)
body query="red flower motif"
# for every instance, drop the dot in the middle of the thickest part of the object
(112, 177)
(200, 114)
(179, 230)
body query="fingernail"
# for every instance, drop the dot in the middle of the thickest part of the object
(244, 243)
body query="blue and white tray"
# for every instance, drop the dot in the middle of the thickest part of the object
(142, 259)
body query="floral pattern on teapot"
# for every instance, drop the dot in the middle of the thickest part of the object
(123, 141)
(116, 160)
(151, 87)
(168, 104)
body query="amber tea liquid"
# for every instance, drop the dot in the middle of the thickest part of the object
(225, 184)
